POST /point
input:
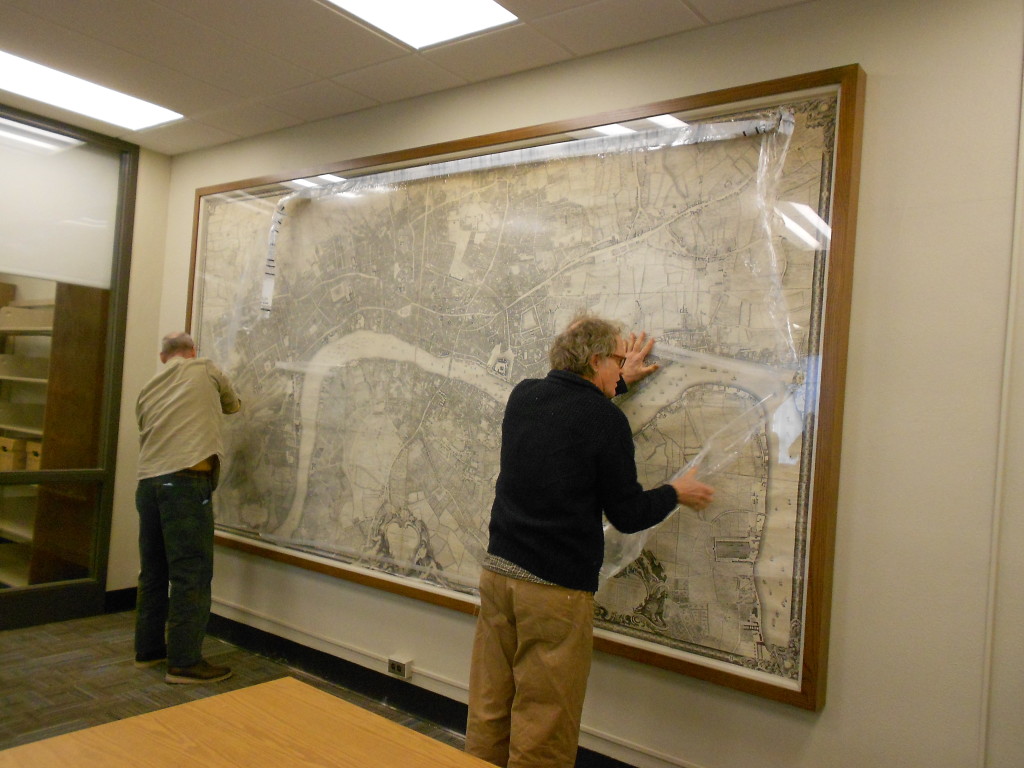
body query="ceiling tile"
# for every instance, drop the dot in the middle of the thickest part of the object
(154, 32)
(502, 52)
(179, 137)
(716, 11)
(319, 100)
(69, 51)
(89, 17)
(311, 35)
(399, 79)
(247, 119)
(609, 24)
(159, 85)
(527, 10)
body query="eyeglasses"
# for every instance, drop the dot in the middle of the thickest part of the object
(620, 358)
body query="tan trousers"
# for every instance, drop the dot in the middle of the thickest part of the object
(531, 660)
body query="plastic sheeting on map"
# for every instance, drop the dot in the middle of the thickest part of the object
(721, 450)
(775, 129)
(762, 260)
(718, 454)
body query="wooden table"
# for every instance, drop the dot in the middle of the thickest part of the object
(280, 724)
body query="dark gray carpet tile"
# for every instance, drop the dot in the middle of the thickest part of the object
(59, 678)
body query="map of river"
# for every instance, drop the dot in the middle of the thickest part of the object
(375, 351)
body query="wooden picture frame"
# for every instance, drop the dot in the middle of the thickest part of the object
(226, 252)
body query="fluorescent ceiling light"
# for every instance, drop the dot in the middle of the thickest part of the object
(420, 23)
(47, 85)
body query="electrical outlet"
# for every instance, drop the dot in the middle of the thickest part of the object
(400, 666)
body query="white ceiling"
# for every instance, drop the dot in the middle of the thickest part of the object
(238, 68)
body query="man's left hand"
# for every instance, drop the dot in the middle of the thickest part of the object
(637, 349)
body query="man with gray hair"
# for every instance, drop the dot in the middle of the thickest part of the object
(566, 460)
(180, 450)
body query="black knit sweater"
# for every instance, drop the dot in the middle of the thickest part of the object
(566, 457)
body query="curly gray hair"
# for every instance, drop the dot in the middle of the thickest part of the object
(586, 336)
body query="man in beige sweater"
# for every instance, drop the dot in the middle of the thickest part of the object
(180, 450)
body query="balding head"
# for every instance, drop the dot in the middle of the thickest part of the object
(178, 344)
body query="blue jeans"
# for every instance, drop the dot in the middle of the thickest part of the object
(176, 549)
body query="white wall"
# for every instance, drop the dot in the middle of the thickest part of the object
(1004, 737)
(141, 348)
(925, 666)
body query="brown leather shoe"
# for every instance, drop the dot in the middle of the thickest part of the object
(203, 672)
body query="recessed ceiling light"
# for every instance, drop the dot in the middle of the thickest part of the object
(421, 23)
(49, 86)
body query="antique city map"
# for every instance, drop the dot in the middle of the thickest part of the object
(374, 328)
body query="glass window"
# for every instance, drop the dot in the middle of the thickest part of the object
(65, 194)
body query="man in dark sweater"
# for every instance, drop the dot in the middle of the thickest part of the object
(566, 459)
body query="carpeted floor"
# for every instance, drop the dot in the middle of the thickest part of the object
(62, 677)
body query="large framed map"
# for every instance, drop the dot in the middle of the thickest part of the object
(375, 314)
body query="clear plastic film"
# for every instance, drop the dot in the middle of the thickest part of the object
(435, 288)
(718, 454)
(374, 327)
(765, 261)
(773, 128)
(766, 268)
